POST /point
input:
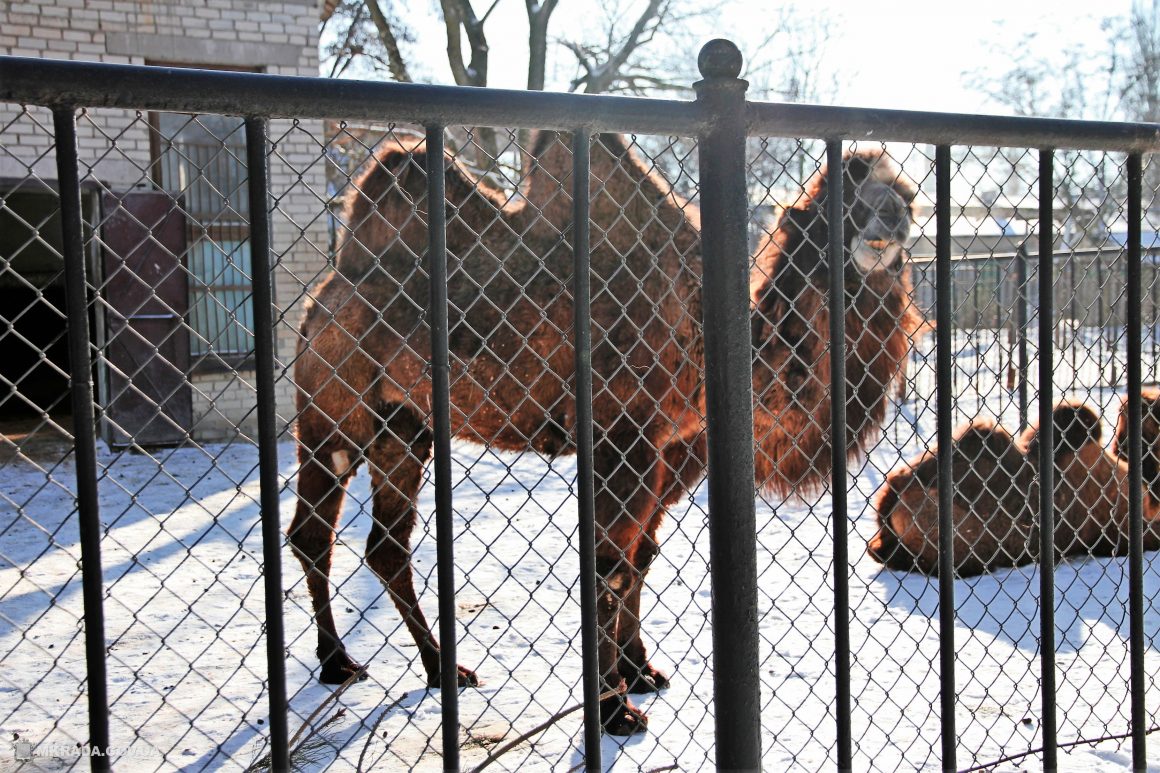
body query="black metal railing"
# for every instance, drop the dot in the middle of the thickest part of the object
(721, 120)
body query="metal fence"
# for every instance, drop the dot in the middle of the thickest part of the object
(545, 324)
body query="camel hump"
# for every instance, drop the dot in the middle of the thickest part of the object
(983, 440)
(379, 210)
(1074, 424)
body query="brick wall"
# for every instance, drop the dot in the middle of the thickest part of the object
(273, 37)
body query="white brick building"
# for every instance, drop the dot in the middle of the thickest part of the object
(198, 163)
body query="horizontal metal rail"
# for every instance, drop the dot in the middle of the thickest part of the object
(855, 123)
(1064, 254)
(137, 87)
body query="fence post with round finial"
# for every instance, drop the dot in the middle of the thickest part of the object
(729, 408)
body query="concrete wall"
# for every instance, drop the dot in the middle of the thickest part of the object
(273, 37)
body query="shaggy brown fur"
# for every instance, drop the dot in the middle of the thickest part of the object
(992, 506)
(995, 505)
(1091, 485)
(791, 376)
(1150, 464)
(364, 390)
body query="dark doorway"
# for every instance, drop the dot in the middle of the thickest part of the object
(142, 384)
(34, 367)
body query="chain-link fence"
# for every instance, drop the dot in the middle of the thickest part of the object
(414, 438)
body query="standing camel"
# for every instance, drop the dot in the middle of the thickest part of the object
(364, 389)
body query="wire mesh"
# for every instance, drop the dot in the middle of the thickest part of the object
(167, 224)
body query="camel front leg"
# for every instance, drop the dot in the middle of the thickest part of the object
(679, 468)
(618, 716)
(640, 675)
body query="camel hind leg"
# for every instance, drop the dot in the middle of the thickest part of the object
(322, 479)
(397, 459)
(678, 469)
(635, 481)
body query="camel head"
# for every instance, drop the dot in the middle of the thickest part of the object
(877, 205)
(1150, 434)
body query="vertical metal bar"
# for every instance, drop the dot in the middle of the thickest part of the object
(84, 432)
(441, 424)
(1072, 316)
(1154, 299)
(837, 255)
(729, 408)
(1135, 469)
(264, 357)
(1102, 322)
(946, 563)
(585, 492)
(1021, 323)
(1046, 458)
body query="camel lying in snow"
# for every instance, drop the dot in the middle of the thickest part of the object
(995, 504)
(364, 389)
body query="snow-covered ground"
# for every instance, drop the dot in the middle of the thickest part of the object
(184, 621)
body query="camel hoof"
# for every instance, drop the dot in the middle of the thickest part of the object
(467, 678)
(645, 680)
(619, 717)
(339, 669)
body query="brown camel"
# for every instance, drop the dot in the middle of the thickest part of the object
(1150, 464)
(791, 373)
(364, 391)
(996, 501)
(993, 506)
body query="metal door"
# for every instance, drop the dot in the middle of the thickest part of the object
(146, 294)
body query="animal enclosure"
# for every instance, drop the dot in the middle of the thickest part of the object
(539, 469)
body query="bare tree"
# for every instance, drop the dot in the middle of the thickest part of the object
(626, 46)
(371, 30)
(604, 65)
(359, 33)
(539, 12)
(1137, 59)
(1099, 79)
(459, 17)
(789, 65)
(390, 43)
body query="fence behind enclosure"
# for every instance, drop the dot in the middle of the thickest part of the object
(149, 236)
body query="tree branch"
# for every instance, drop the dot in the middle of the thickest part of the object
(344, 56)
(494, 3)
(600, 78)
(456, 14)
(642, 83)
(395, 61)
